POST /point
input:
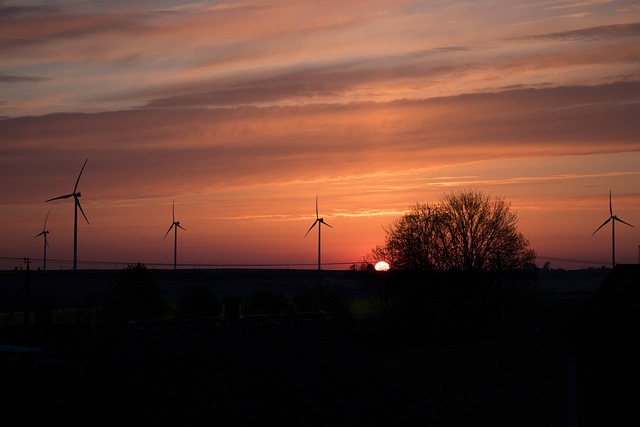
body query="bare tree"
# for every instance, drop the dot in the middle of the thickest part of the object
(466, 231)
(412, 240)
(482, 234)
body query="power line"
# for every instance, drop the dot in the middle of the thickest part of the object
(577, 261)
(116, 264)
(19, 261)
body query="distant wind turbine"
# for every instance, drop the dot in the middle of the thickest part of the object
(613, 218)
(175, 225)
(76, 196)
(44, 233)
(320, 222)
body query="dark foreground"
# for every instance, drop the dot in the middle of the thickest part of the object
(81, 288)
(290, 369)
(300, 368)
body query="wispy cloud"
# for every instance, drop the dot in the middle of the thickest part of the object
(7, 78)
(602, 32)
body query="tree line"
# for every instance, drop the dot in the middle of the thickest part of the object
(135, 294)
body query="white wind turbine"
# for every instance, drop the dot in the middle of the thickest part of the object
(175, 225)
(76, 196)
(44, 233)
(613, 218)
(320, 222)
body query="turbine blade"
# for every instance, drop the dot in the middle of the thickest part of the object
(326, 224)
(80, 206)
(45, 220)
(179, 226)
(603, 224)
(310, 228)
(624, 222)
(79, 175)
(39, 234)
(66, 196)
(610, 207)
(165, 235)
(317, 206)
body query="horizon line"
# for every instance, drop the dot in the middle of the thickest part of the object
(20, 261)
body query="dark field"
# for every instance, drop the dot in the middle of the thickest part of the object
(520, 382)
(70, 289)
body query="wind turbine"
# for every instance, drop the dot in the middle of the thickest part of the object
(320, 222)
(613, 218)
(175, 225)
(44, 233)
(76, 196)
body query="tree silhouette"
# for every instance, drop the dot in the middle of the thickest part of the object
(414, 241)
(466, 231)
(133, 295)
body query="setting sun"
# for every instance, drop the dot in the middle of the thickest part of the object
(382, 266)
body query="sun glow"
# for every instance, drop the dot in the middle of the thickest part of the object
(382, 266)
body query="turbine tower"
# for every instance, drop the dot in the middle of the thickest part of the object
(613, 218)
(320, 222)
(44, 233)
(76, 196)
(175, 225)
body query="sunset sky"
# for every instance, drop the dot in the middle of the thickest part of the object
(243, 111)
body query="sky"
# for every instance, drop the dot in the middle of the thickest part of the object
(233, 116)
